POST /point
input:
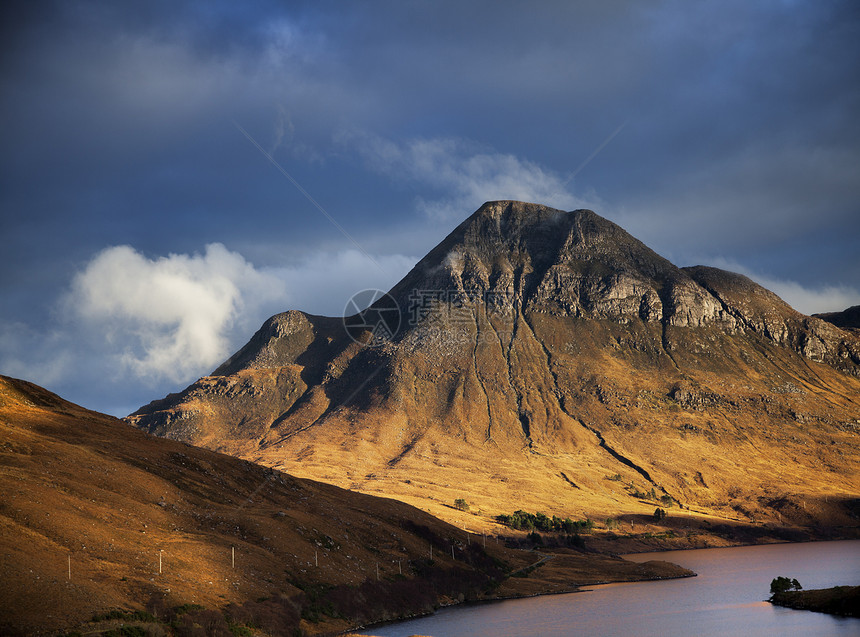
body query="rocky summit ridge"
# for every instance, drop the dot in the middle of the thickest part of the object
(535, 355)
(527, 257)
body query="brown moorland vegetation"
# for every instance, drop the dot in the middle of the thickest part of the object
(102, 525)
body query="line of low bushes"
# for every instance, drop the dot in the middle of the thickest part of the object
(524, 521)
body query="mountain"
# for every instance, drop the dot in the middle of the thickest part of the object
(100, 521)
(541, 359)
(847, 319)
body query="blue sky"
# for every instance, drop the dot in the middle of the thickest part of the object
(145, 237)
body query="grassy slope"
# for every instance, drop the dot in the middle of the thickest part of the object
(81, 485)
(744, 434)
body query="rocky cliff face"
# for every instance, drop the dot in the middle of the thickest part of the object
(538, 352)
(532, 258)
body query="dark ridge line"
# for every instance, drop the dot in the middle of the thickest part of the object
(406, 449)
(524, 425)
(569, 481)
(621, 458)
(489, 434)
(665, 301)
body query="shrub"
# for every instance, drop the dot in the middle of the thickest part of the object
(461, 504)
(239, 630)
(782, 584)
(522, 521)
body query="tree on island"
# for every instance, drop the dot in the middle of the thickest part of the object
(782, 584)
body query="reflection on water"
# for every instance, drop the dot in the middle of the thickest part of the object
(725, 599)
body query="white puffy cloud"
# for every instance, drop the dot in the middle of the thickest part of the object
(131, 328)
(176, 317)
(172, 316)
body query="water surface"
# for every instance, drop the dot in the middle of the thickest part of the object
(725, 599)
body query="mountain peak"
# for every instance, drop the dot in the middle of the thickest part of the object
(538, 352)
(569, 263)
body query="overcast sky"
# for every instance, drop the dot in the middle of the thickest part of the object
(146, 235)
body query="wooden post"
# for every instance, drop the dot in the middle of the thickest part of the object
(400, 566)
(70, 566)
(233, 556)
(452, 553)
(159, 561)
(431, 552)
(377, 571)
(316, 562)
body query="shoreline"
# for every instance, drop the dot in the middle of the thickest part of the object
(492, 600)
(738, 545)
(582, 588)
(658, 571)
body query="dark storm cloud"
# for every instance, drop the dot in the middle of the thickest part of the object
(727, 134)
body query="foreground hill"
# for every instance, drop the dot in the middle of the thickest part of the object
(97, 517)
(548, 360)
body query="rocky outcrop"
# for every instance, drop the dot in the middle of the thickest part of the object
(516, 255)
(762, 312)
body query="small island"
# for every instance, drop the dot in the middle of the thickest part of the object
(838, 600)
